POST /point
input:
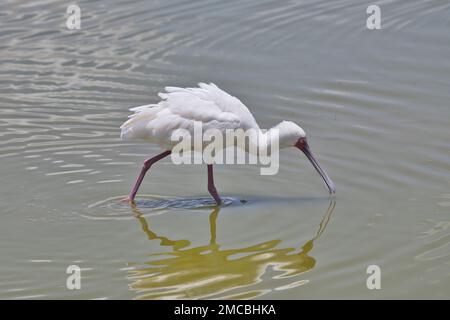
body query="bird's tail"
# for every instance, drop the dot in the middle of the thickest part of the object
(135, 126)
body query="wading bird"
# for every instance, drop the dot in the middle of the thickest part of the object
(215, 109)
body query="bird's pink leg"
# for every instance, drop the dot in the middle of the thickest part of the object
(211, 188)
(147, 164)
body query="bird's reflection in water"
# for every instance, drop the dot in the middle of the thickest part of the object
(210, 272)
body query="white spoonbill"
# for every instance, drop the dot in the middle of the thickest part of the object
(214, 108)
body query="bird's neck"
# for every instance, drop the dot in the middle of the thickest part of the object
(266, 139)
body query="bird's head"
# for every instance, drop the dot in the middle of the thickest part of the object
(292, 135)
(289, 133)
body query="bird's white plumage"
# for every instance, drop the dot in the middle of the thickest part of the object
(180, 107)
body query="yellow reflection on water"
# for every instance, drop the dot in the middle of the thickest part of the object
(211, 272)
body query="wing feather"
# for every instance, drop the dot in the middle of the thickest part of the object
(181, 107)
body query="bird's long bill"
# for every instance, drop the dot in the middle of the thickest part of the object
(307, 151)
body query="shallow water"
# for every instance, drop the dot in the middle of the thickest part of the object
(375, 105)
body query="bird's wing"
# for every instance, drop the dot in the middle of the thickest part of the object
(217, 99)
(180, 108)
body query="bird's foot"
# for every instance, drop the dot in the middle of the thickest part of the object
(129, 201)
(218, 201)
